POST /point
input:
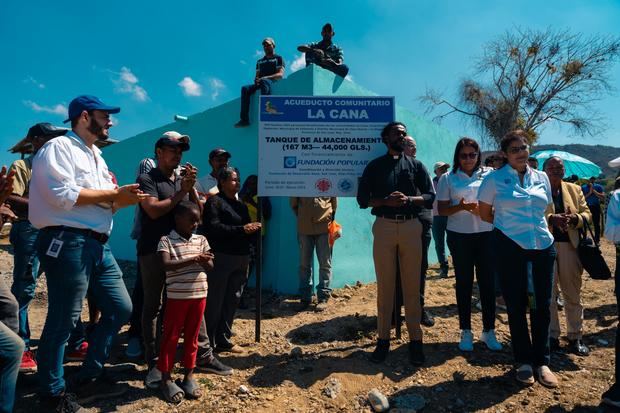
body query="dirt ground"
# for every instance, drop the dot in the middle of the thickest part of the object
(315, 362)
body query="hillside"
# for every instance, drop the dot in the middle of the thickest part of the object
(599, 154)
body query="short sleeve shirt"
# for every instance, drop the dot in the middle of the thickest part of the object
(332, 51)
(453, 187)
(519, 208)
(592, 199)
(189, 282)
(155, 184)
(267, 66)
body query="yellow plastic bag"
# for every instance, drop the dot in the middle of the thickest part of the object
(335, 231)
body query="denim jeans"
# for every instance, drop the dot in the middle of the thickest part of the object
(11, 348)
(439, 235)
(512, 262)
(617, 291)
(81, 261)
(307, 245)
(473, 252)
(25, 271)
(246, 94)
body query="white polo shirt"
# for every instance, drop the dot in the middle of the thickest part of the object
(456, 186)
(60, 170)
(519, 209)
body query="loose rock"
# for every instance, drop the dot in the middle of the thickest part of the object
(332, 388)
(378, 401)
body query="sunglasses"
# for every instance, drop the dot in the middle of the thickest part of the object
(516, 149)
(470, 155)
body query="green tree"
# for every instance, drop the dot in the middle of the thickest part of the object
(526, 79)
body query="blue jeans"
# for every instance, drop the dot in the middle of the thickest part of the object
(81, 261)
(23, 237)
(246, 94)
(11, 348)
(307, 245)
(512, 262)
(440, 223)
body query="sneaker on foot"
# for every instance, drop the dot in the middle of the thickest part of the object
(28, 363)
(443, 271)
(381, 351)
(546, 377)
(525, 374)
(64, 403)
(78, 354)
(213, 365)
(242, 124)
(321, 306)
(488, 338)
(467, 341)
(88, 390)
(153, 378)
(134, 348)
(612, 396)
(427, 319)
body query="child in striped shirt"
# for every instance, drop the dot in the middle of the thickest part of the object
(186, 258)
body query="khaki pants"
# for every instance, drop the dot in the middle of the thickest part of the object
(567, 272)
(398, 243)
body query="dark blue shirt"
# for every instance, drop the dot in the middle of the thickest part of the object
(267, 66)
(592, 199)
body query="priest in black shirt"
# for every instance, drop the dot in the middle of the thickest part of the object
(269, 68)
(396, 187)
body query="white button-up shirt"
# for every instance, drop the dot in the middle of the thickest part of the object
(456, 186)
(60, 170)
(519, 209)
(612, 225)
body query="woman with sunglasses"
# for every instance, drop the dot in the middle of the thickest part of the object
(469, 240)
(514, 199)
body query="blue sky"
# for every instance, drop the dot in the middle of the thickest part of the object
(156, 59)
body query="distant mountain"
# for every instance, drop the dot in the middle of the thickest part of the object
(598, 154)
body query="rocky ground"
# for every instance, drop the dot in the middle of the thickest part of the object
(315, 362)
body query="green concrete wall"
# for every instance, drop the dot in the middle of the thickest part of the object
(352, 258)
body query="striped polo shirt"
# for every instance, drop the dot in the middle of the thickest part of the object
(188, 282)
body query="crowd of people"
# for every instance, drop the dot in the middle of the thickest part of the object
(509, 226)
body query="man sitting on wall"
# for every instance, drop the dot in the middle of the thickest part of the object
(325, 53)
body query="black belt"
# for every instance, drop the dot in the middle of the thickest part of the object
(399, 217)
(102, 238)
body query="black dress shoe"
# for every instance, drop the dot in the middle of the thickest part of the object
(577, 347)
(381, 351)
(554, 345)
(416, 354)
(427, 319)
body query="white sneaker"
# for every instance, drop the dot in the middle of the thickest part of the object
(467, 341)
(488, 338)
(153, 378)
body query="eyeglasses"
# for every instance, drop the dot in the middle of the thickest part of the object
(468, 155)
(516, 149)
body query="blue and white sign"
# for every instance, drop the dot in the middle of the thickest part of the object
(318, 145)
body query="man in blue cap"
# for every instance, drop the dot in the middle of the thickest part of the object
(72, 200)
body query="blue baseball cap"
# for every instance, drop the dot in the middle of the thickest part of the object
(88, 103)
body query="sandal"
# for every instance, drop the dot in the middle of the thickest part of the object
(172, 393)
(191, 388)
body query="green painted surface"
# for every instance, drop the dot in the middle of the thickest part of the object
(352, 258)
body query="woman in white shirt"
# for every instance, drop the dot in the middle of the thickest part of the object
(469, 240)
(612, 233)
(514, 199)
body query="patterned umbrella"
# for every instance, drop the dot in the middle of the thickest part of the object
(574, 165)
